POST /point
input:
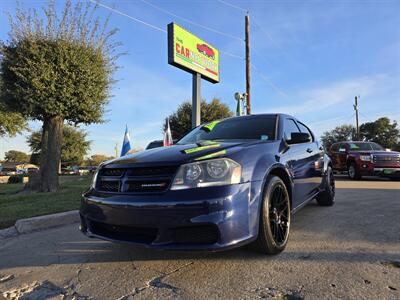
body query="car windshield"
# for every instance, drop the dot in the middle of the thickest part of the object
(243, 128)
(365, 146)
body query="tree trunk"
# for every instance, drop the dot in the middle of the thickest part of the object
(50, 157)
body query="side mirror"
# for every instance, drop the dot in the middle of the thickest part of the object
(299, 138)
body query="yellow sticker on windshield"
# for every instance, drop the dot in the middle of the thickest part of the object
(210, 126)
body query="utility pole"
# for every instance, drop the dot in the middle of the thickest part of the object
(247, 40)
(356, 109)
(116, 150)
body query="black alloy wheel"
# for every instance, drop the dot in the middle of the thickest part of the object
(274, 218)
(279, 214)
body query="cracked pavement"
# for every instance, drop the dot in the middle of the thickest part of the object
(350, 250)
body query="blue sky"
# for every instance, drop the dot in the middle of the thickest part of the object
(310, 58)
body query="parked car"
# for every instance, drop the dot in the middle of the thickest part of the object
(365, 159)
(225, 184)
(206, 50)
(156, 144)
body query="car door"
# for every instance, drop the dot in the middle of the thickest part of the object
(295, 160)
(334, 155)
(342, 156)
(313, 162)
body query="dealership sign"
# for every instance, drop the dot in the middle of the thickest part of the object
(192, 54)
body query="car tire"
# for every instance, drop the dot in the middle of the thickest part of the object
(274, 223)
(327, 196)
(353, 172)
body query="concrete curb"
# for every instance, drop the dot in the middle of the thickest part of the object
(23, 226)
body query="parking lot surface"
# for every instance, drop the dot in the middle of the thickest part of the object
(348, 251)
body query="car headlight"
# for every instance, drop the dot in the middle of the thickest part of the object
(213, 172)
(365, 157)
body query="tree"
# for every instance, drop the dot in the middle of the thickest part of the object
(340, 133)
(55, 70)
(181, 120)
(381, 131)
(73, 149)
(11, 123)
(97, 159)
(16, 156)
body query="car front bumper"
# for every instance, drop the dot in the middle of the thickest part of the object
(212, 218)
(387, 171)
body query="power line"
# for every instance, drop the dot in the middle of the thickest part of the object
(128, 16)
(192, 22)
(232, 55)
(233, 6)
(153, 26)
(273, 85)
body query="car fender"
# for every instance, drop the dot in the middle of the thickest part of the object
(327, 162)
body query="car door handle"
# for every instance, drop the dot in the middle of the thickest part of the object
(309, 150)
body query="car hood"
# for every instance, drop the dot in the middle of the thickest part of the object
(179, 154)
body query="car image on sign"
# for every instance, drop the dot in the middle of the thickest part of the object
(206, 50)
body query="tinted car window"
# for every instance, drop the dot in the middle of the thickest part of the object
(376, 146)
(289, 127)
(304, 129)
(244, 128)
(360, 146)
(335, 147)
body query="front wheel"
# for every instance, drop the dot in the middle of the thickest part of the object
(274, 218)
(327, 196)
(353, 172)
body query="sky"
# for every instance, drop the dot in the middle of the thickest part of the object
(308, 58)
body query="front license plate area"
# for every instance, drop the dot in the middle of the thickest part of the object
(388, 171)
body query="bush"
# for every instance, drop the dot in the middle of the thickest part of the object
(16, 179)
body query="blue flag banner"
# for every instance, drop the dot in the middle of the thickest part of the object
(126, 144)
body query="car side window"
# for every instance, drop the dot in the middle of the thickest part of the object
(289, 127)
(335, 148)
(305, 129)
(342, 148)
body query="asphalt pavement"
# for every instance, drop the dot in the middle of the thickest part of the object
(348, 251)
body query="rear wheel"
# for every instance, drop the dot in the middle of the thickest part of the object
(274, 218)
(353, 172)
(327, 196)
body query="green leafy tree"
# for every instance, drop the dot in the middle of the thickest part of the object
(97, 159)
(55, 70)
(16, 156)
(381, 131)
(11, 123)
(73, 149)
(181, 120)
(340, 133)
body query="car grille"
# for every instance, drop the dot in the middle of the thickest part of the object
(204, 234)
(124, 233)
(386, 159)
(135, 180)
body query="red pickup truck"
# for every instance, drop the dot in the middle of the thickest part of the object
(365, 158)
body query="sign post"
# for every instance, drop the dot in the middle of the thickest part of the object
(192, 54)
(196, 100)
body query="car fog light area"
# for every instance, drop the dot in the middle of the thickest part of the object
(214, 172)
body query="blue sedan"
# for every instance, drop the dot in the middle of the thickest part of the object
(225, 184)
